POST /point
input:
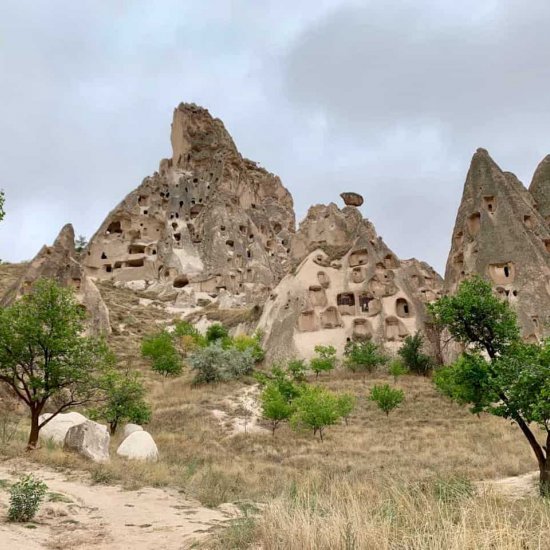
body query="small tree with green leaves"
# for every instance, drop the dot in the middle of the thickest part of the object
(316, 408)
(324, 361)
(44, 357)
(297, 369)
(162, 352)
(346, 404)
(25, 498)
(125, 400)
(364, 356)
(80, 243)
(498, 374)
(243, 342)
(275, 405)
(386, 397)
(216, 332)
(415, 360)
(397, 369)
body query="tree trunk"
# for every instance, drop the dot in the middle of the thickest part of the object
(35, 430)
(112, 427)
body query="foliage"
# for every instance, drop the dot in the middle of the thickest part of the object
(2, 201)
(161, 350)
(297, 369)
(244, 342)
(511, 380)
(397, 369)
(124, 400)
(189, 337)
(415, 360)
(364, 356)
(316, 408)
(325, 360)
(25, 498)
(386, 397)
(276, 406)
(216, 364)
(216, 332)
(43, 356)
(346, 404)
(80, 243)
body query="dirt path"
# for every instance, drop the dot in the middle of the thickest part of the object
(514, 487)
(83, 516)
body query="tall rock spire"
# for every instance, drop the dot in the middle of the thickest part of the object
(500, 235)
(540, 188)
(209, 220)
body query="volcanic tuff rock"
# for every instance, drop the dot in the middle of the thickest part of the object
(348, 286)
(208, 220)
(540, 189)
(500, 235)
(352, 199)
(60, 262)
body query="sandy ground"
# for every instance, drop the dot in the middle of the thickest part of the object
(522, 486)
(81, 516)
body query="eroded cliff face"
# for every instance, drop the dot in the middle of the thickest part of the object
(540, 189)
(500, 235)
(208, 220)
(348, 285)
(60, 262)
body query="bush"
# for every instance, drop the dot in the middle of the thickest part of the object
(25, 498)
(346, 404)
(216, 364)
(297, 369)
(189, 337)
(364, 356)
(243, 342)
(325, 361)
(316, 408)
(386, 397)
(161, 350)
(276, 407)
(414, 359)
(216, 332)
(397, 369)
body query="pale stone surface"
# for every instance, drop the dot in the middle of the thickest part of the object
(131, 428)
(540, 189)
(60, 262)
(139, 445)
(57, 428)
(209, 219)
(348, 285)
(501, 236)
(90, 440)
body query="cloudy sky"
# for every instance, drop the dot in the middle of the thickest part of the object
(386, 98)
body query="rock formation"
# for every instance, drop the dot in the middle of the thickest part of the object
(348, 285)
(56, 429)
(139, 445)
(60, 262)
(500, 235)
(352, 199)
(89, 439)
(208, 220)
(540, 189)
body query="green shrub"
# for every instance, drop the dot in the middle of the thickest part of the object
(397, 368)
(244, 342)
(297, 369)
(364, 356)
(346, 404)
(25, 498)
(276, 407)
(216, 332)
(216, 364)
(161, 350)
(315, 408)
(325, 361)
(386, 397)
(415, 360)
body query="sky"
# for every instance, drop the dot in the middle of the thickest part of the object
(386, 98)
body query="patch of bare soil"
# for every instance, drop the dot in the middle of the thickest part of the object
(514, 487)
(81, 516)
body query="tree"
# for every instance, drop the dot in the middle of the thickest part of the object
(243, 342)
(160, 349)
(297, 369)
(275, 405)
(80, 243)
(325, 361)
(346, 404)
(415, 360)
(386, 397)
(397, 369)
(216, 332)
(498, 374)
(125, 400)
(44, 358)
(364, 356)
(315, 408)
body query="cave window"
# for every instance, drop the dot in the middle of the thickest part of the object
(222, 227)
(114, 227)
(145, 212)
(177, 237)
(253, 205)
(154, 252)
(103, 256)
(248, 254)
(174, 225)
(140, 262)
(277, 227)
(167, 195)
(229, 243)
(242, 228)
(180, 281)
(108, 268)
(506, 271)
(345, 299)
(181, 203)
(364, 302)
(177, 215)
(136, 249)
(195, 180)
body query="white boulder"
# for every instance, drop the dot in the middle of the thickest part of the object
(57, 428)
(139, 446)
(90, 440)
(131, 428)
